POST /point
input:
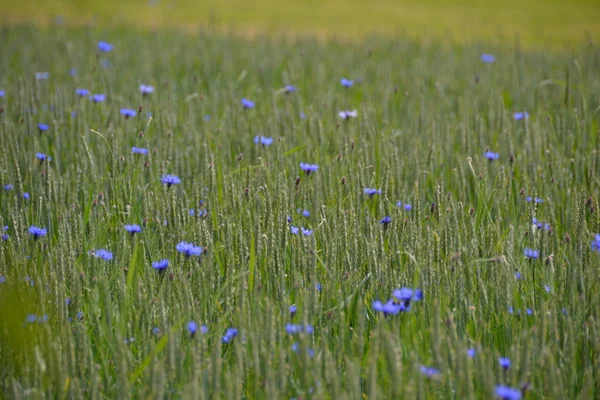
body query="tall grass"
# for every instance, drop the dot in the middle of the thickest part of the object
(426, 115)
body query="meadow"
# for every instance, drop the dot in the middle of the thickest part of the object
(208, 216)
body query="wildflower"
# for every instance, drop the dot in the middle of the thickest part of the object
(507, 393)
(129, 341)
(595, 242)
(318, 287)
(518, 275)
(79, 315)
(229, 335)
(5, 236)
(306, 232)
(67, 301)
(487, 58)
(346, 82)
(160, 265)
(8, 187)
(430, 372)
(72, 72)
(192, 327)
(346, 115)
(43, 157)
(207, 117)
(155, 330)
(2, 279)
(385, 221)
(389, 308)
(146, 89)
(26, 196)
(510, 310)
(302, 115)
(43, 127)
(547, 288)
(372, 192)
(247, 103)
(309, 351)
(139, 150)
(406, 295)
(105, 47)
(99, 98)
(529, 199)
(293, 329)
(292, 310)
(188, 249)
(203, 329)
(133, 228)
(294, 230)
(290, 88)
(103, 254)
(31, 318)
(529, 311)
(1, 93)
(491, 155)
(82, 92)
(471, 352)
(520, 115)
(531, 254)
(127, 112)
(265, 141)
(170, 180)
(42, 76)
(37, 232)
(504, 362)
(308, 168)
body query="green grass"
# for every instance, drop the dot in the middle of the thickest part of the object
(556, 23)
(427, 112)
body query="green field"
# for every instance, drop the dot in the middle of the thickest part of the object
(553, 23)
(434, 181)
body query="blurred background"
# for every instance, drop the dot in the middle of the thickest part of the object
(555, 23)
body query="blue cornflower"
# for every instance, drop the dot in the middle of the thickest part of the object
(146, 89)
(318, 287)
(265, 141)
(5, 236)
(491, 155)
(207, 117)
(80, 315)
(128, 112)
(308, 168)
(407, 207)
(247, 103)
(229, 335)
(72, 72)
(529, 199)
(531, 254)
(133, 228)
(372, 192)
(346, 82)
(105, 47)
(99, 98)
(529, 311)
(160, 265)
(507, 393)
(192, 327)
(388, 308)
(487, 58)
(290, 88)
(1, 93)
(547, 288)
(595, 242)
(430, 372)
(385, 221)
(37, 232)
(43, 127)
(302, 115)
(520, 115)
(306, 232)
(293, 310)
(188, 249)
(294, 230)
(139, 150)
(8, 187)
(504, 362)
(31, 318)
(518, 275)
(510, 310)
(42, 76)
(471, 352)
(293, 329)
(43, 157)
(2, 279)
(346, 115)
(82, 92)
(305, 213)
(170, 180)
(26, 196)
(103, 254)
(67, 301)
(406, 295)
(155, 330)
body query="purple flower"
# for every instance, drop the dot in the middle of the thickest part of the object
(406, 206)
(372, 192)
(520, 115)
(188, 249)
(305, 213)
(504, 362)
(127, 112)
(507, 393)
(72, 72)
(293, 310)
(139, 150)
(306, 232)
(247, 103)
(99, 98)
(487, 58)
(518, 275)
(529, 199)
(491, 156)
(229, 335)
(82, 92)
(385, 221)
(37, 232)
(43, 127)
(290, 88)
(346, 82)
(146, 89)
(346, 115)
(103, 254)
(294, 230)
(531, 254)
(192, 327)
(265, 141)
(389, 308)
(133, 228)
(43, 157)
(430, 372)
(2, 93)
(293, 329)
(160, 265)
(42, 76)
(105, 47)
(170, 180)
(308, 168)
(471, 352)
